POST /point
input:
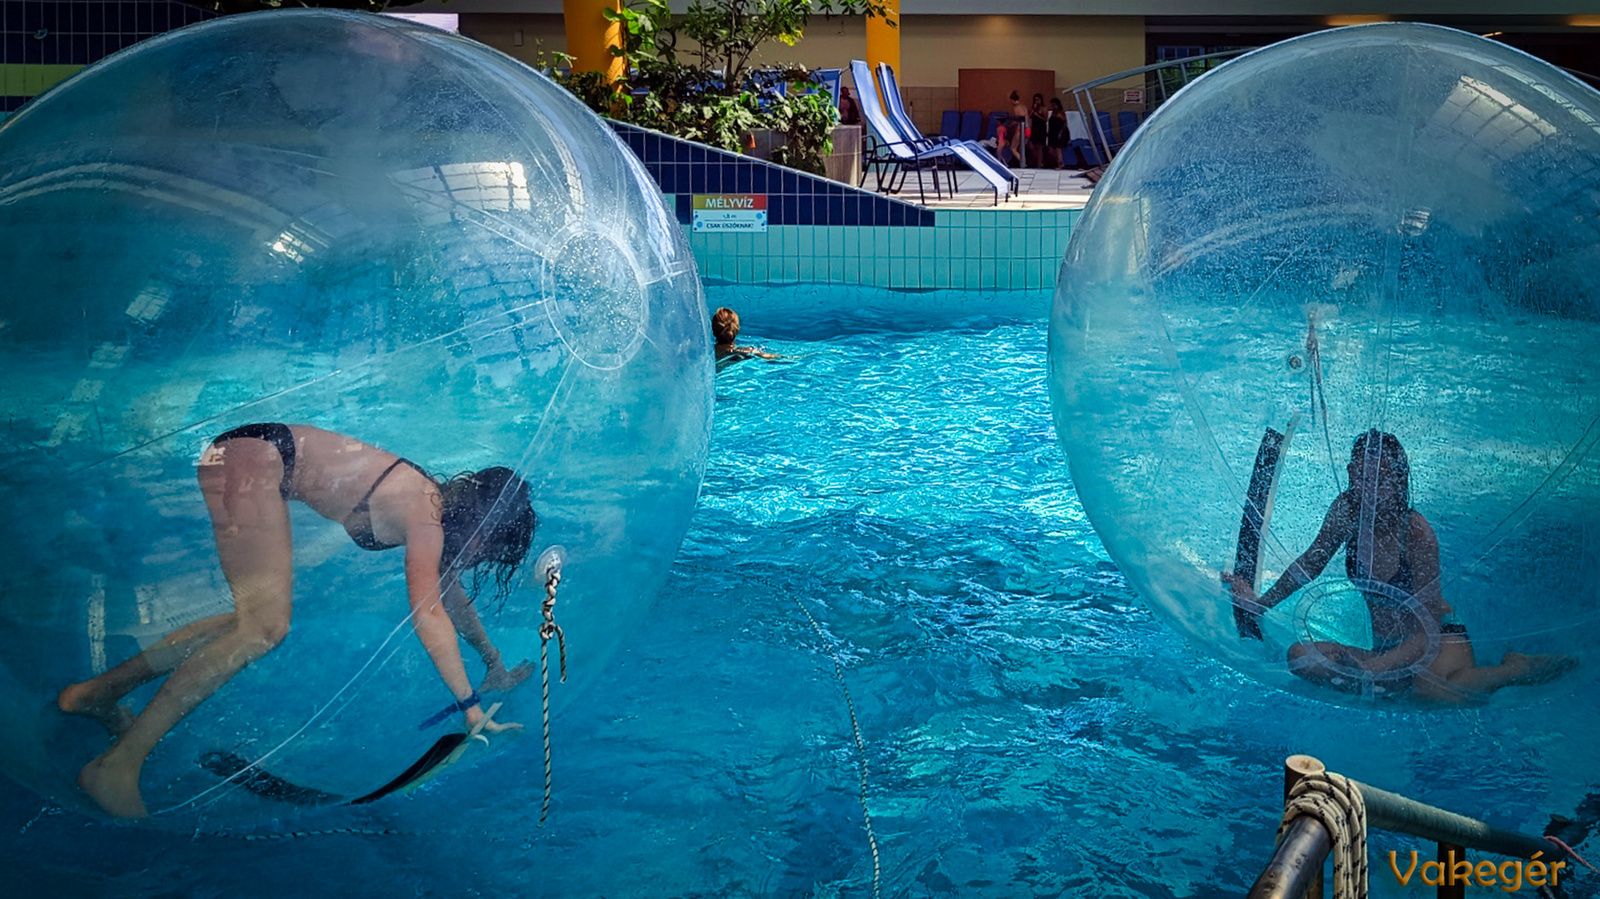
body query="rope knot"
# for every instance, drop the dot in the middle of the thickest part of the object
(1335, 802)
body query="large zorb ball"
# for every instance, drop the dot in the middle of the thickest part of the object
(1391, 227)
(364, 225)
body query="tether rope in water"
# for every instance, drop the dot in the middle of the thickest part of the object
(1570, 851)
(301, 834)
(861, 754)
(547, 630)
(1335, 802)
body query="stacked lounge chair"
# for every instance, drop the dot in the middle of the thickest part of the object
(896, 153)
(977, 157)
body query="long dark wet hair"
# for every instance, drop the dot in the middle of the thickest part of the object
(1372, 448)
(493, 505)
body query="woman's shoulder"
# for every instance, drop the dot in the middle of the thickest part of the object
(1346, 502)
(1421, 528)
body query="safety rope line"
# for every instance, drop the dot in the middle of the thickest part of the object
(1572, 852)
(549, 629)
(302, 834)
(1334, 800)
(861, 754)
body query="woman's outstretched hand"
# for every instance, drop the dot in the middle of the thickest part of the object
(478, 722)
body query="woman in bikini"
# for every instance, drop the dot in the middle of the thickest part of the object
(248, 476)
(1392, 556)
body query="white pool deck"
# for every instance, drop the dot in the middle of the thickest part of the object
(1041, 189)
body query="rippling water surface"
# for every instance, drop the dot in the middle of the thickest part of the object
(887, 547)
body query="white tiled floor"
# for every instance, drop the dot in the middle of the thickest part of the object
(1041, 189)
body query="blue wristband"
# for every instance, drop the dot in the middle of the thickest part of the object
(451, 709)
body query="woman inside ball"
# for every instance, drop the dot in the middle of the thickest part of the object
(248, 476)
(1392, 556)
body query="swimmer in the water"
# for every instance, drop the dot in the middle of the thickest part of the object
(248, 476)
(1391, 553)
(725, 328)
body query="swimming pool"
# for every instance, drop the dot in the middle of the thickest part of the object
(1029, 727)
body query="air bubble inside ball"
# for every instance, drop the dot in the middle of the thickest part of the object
(356, 223)
(1390, 227)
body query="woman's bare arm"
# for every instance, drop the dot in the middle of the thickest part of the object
(464, 615)
(1424, 551)
(430, 620)
(1334, 532)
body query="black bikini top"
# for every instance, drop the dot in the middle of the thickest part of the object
(1356, 571)
(1391, 622)
(358, 524)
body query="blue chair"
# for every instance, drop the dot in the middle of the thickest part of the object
(950, 125)
(1127, 123)
(995, 118)
(829, 78)
(1086, 148)
(971, 125)
(974, 155)
(1105, 127)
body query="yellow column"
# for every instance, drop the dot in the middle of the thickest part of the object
(883, 40)
(590, 37)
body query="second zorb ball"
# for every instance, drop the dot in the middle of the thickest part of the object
(319, 223)
(1337, 302)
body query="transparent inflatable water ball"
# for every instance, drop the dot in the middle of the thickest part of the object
(371, 256)
(1322, 358)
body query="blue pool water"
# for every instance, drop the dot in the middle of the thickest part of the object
(1029, 727)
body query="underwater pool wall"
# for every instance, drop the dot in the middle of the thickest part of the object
(818, 230)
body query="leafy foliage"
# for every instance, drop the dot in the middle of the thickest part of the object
(806, 121)
(694, 76)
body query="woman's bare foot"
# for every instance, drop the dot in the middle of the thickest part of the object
(78, 699)
(112, 788)
(1536, 669)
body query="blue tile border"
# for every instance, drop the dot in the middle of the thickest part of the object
(823, 232)
(684, 168)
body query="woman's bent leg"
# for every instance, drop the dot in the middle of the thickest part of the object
(100, 697)
(1516, 669)
(250, 520)
(1336, 665)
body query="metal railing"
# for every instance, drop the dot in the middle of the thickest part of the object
(1158, 82)
(1295, 870)
(1163, 79)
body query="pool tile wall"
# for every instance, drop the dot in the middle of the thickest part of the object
(824, 231)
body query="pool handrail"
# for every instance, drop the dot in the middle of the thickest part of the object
(1101, 138)
(1296, 864)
